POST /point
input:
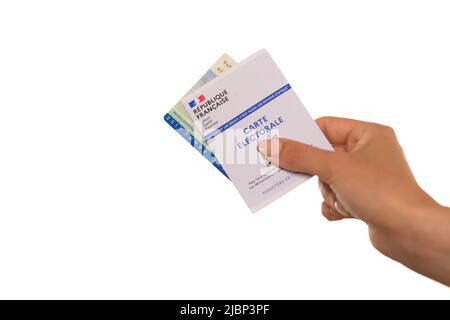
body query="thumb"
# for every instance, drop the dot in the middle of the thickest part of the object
(298, 157)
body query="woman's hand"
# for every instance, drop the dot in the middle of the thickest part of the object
(368, 178)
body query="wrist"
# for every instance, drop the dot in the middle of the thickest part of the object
(422, 242)
(403, 233)
(429, 245)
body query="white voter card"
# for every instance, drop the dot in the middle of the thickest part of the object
(251, 102)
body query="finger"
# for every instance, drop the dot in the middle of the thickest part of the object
(331, 200)
(338, 130)
(329, 214)
(340, 210)
(299, 157)
(327, 194)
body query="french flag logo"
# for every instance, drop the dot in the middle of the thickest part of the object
(193, 103)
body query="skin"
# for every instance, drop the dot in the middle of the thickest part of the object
(368, 178)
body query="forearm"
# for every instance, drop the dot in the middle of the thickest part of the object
(433, 244)
(423, 243)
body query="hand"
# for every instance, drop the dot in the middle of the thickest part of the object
(368, 178)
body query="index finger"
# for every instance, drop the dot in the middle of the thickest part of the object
(338, 130)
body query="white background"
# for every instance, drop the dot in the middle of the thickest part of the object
(100, 198)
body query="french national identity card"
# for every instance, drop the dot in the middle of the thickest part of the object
(180, 121)
(250, 102)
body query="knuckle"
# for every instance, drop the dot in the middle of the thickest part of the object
(385, 129)
(324, 118)
(389, 133)
(389, 129)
